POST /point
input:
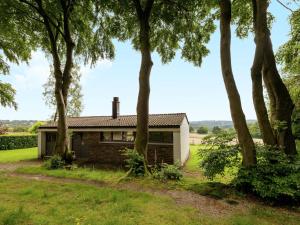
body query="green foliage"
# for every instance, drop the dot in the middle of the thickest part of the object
(254, 130)
(280, 126)
(185, 25)
(34, 128)
(220, 151)
(296, 124)
(216, 130)
(17, 142)
(7, 95)
(134, 162)
(202, 130)
(276, 177)
(55, 162)
(288, 54)
(165, 172)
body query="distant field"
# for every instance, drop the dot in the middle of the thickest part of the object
(7, 156)
(17, 134)
(195, 138)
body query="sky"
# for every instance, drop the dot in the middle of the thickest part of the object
(175, 87)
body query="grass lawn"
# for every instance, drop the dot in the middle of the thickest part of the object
(41, 202)
(7, 156)
(34, 202)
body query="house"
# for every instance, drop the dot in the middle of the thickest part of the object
(99, 139)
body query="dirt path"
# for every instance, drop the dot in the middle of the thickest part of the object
(15, 165)
(204, 204)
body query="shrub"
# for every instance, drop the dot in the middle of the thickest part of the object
(202, 130)
(55, 162)
(17, 142)
(167, 172)
(276, 177)
(216, 130)
(34, 128)
(3, 129)
(134, 162)
(219, 151)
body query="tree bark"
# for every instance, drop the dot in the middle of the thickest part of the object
(142, 129)
(259, 15)
(62, 78)
(281, 104)
(238, 117)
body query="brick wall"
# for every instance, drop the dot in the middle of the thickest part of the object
(87, 146)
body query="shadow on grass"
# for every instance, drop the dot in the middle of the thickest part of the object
(215, 190)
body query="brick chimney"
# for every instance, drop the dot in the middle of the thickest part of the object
(115, 108)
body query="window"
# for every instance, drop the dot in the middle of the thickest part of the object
(117, 136)
(161, 137)
(105, 136)
(130, 136)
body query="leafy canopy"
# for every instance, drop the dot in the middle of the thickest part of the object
(174, 24)
(90, 39)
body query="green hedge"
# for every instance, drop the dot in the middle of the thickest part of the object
(17, 142)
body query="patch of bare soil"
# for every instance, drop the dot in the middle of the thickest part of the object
(15, 165)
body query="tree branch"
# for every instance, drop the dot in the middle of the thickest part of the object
(285, 6)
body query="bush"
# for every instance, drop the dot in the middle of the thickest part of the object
(276, 177)
(202, 130)
(216, 130)
(55, 162)
(17, 142)
(167, 172)
(34, 128)
(219, 151)
(134, 162)
(3, 129)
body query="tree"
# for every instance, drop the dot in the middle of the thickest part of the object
(288, 56)
(161, 26)
(260, 23)
(14, 47)
(7, 95)
(74, 100)
(34, 128)
(202, 130)
(281, 104)
(63, 30)
(237, 114)
(216, 130)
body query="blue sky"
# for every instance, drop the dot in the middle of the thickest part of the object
(175, 87)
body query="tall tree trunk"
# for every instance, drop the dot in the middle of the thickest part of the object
(142, 129)
(238, 117)
(259, 15)
(61, 146)
(281, 104)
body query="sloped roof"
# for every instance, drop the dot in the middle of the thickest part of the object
(129, 121)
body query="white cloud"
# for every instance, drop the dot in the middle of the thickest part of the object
(33, 75)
